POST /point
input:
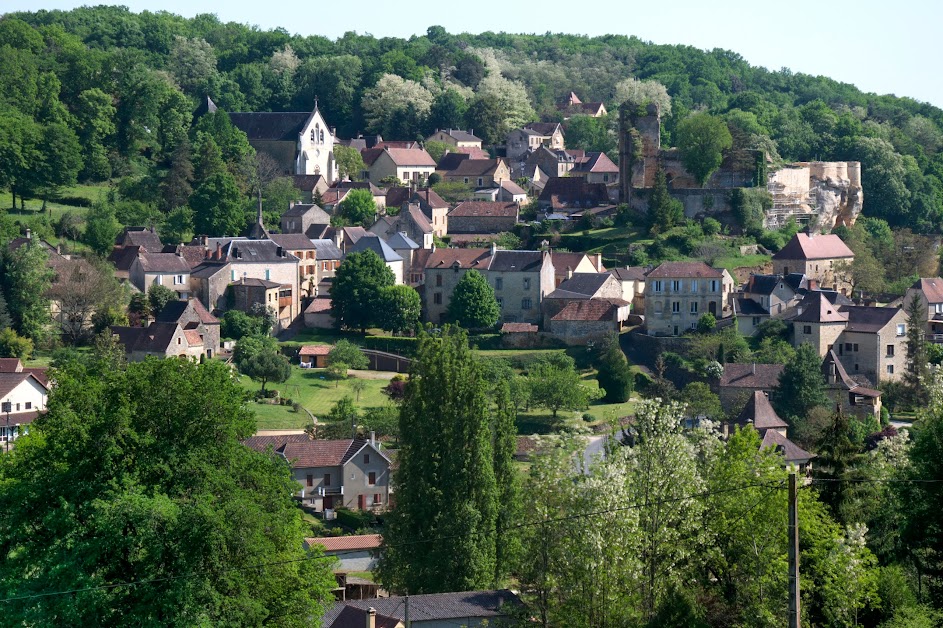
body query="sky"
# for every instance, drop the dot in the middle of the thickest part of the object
(879, 46)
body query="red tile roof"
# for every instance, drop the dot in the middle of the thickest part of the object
(932, 289)
(304, 453)
(486, 209)
(315, 350)
(346, 543)
(465, 258)
(518, 328)
(402, 156)
(804, 246)
(474, 167)
(11, 365)
(587, 310)
(683, 270)
(320, 304)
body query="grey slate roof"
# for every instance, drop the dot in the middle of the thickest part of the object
(749, 307)
(763, 284)
(584, 283)
(292, 241)
(372, 242)
(433, 606)
(298, 210)
(271, 126)
(327, 249)
(521, 261)
(399, 241)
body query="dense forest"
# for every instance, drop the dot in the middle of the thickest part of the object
(101, 93)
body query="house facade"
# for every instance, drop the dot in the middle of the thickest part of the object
(348, 473)
(190, 315)
(305, 218)
(816, 257)
(170, 270)
(456, 137)
(22, 397)
(483, 217)
(161, 340)
(596, 167)
(678, 294)
(406, 164)
(930, 293)
(479, 173)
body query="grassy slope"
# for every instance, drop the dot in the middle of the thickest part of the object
(307, 387)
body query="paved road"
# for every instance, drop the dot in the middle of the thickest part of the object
(594, 449)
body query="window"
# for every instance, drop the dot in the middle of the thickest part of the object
(178, 280)
(268, 274)
(756, 321)
(28, 405)
(372, 478)
(890, 351)
(309, 480)
(938, 308)
(366, 458)
(676, 286)
(855, 347)
(902, 330)
(438, 280)
(480, 181)
(500, 301)
(526, 283)
(693, 307)
(327, 479)
(525, 304)
(847, 346)
(694, 285)
(499, 283)
(437, 298)
(658, 286)
(466, 180)
(713, 285)
(890, 369)
(406, 176)
(693, 326)
(807, 329)
(377, 499)
(675, 307)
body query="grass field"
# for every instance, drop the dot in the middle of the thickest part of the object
(33, 213)
(313, 390)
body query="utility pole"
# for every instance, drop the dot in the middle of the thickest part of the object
(793, 526)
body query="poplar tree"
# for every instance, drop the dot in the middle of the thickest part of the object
(441, 534)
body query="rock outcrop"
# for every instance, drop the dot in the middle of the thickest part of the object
(823, 194)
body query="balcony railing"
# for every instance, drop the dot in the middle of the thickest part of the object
(330, 490)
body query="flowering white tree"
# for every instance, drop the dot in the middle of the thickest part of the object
(850, 579)
(394, 104)
(638, 92)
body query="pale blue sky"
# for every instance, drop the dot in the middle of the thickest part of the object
(883, 47)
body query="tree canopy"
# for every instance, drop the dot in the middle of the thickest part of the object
(144, 478)
(357, 291)
(473, 304)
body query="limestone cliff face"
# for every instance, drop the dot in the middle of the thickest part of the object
(823, 194)
(838, 195)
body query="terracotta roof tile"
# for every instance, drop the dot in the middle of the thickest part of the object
(804, 246)
(485, 209)
(315, 350)
(465, 258)
(346, 543)
(587, 310)
(684, 270)
(518, 328)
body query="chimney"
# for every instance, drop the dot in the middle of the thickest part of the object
(754, 368)
(371, 618)
(494, 248)
(373, 438)
(279, 251)
(29, 234)
(569, 272)
(599, 261)
(219, 251)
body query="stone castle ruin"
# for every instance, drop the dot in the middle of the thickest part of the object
(820, 194)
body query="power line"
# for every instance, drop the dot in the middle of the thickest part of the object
(148, 581)
(875, 481)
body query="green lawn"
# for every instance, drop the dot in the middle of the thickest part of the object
(734, 262)
(317, 393)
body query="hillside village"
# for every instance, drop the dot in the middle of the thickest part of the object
(421, 354)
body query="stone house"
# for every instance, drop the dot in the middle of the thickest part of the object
(677, 294)
(483, 217)
(566, 264)
(309, 185)
(442, 272)
(144, 237)
(869, 341)
(815, 256)
(302, 247)
(572, 105)
(192, 316)
(739, 381)
(239, 259)
(567, 194)
(596, 167)
(765, 296)
(479, 173)
(329, 258)
(162, 340)
(555, 162)
(170, 270)
(306, 219)
(507, 191)
(406, 248)
(431, 204)
(23, 395)
(759, 413)
(854, 398)
(249, 292)
(521, 280)
(456, 137)
(393, 260)
(412, 221)
(318, 313)
(583, 321)
(532, 136)
(349, 473)
(354, 553)
(406, 164)
(930, 293)
(632, 280)
(585, 287)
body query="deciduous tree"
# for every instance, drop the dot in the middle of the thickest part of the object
(357, 291)
(703, 139)
(401, 309)
(473, 304)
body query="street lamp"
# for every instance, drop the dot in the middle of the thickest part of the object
(7, 406)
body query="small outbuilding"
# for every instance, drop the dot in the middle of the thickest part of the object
(314, 356)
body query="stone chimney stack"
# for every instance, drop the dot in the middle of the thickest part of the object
(569, 272)
(371, 618)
